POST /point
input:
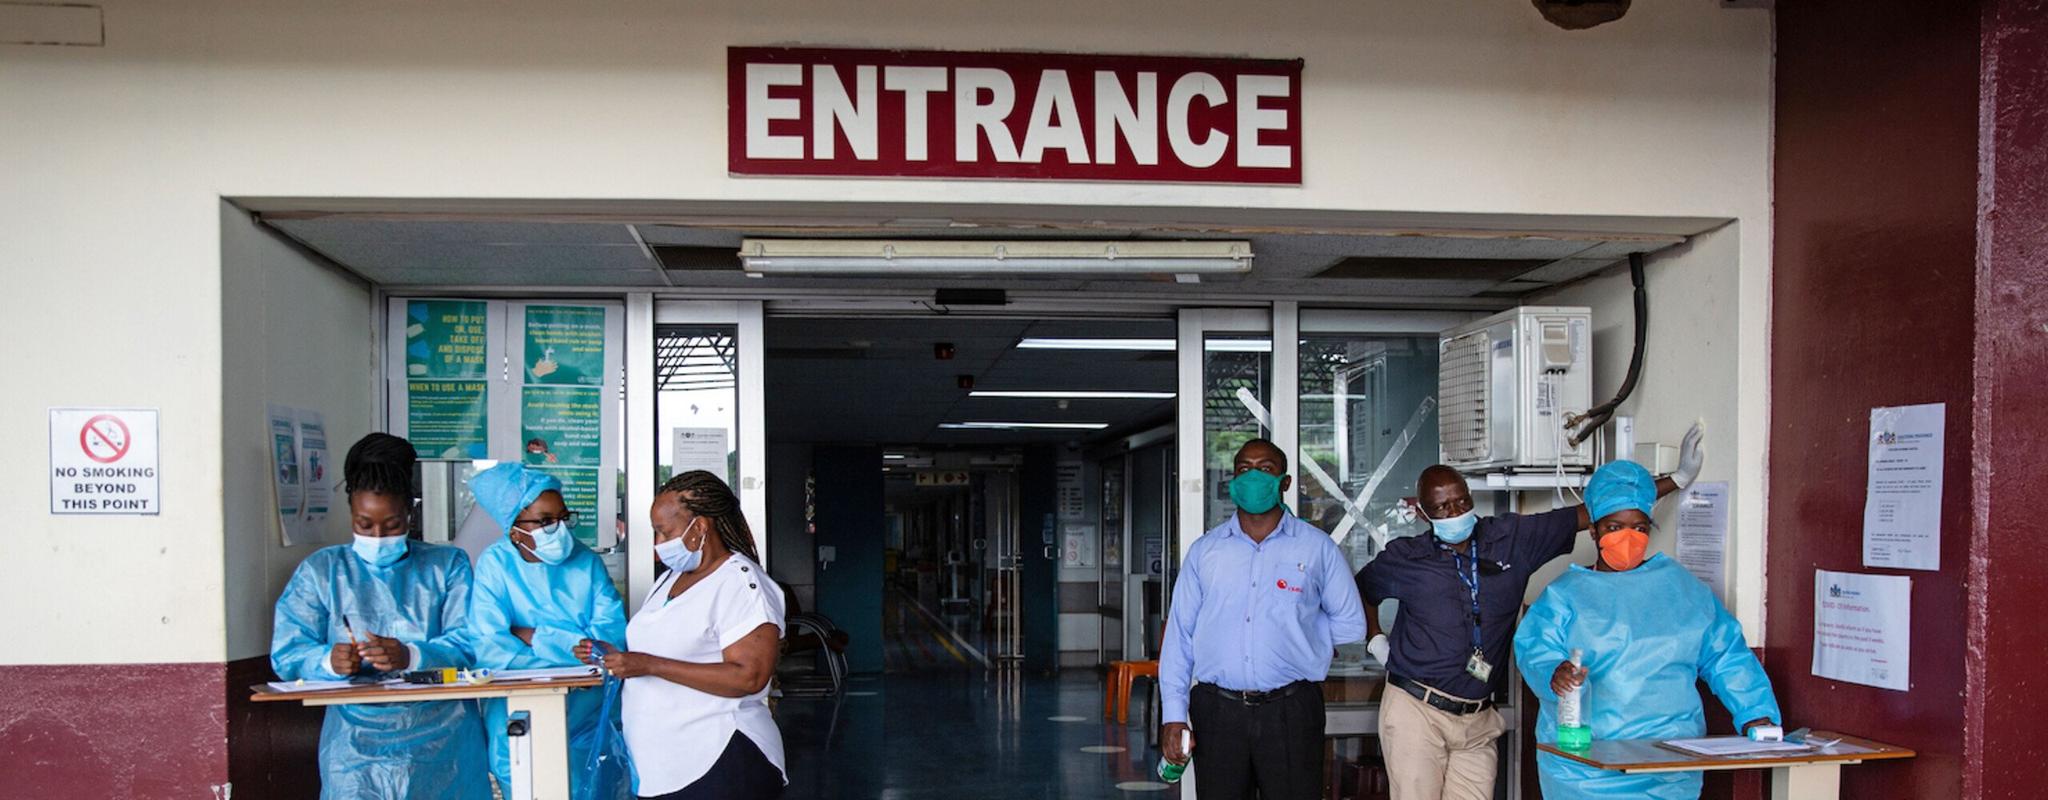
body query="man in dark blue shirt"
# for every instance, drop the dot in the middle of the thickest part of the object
(1461, 589)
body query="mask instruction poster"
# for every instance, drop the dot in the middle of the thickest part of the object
(561, 403)
(1902, 502)
(319, 483)
(1862, 626)
(1703, 535)
(446, 373)
(284, 470)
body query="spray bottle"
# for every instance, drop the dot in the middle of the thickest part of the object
(1572, 731)
(1171, 772)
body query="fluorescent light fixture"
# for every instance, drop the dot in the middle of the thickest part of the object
(1023, 426)
(1238, 345)
(815, 257)
(1156, 345)
(1073, 395)
(893, 456)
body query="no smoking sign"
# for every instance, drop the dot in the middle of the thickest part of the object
(103, 461)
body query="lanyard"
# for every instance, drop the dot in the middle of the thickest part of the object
(1472, 583)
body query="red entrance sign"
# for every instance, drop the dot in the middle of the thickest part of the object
(940, 114)
(104, 438)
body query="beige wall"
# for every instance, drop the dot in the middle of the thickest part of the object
(116, 159)
(293, 331)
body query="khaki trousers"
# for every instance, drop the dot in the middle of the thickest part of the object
(1434, 754)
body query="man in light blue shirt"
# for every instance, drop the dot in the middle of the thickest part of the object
(1261, 604)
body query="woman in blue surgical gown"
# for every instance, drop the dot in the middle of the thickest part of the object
(538, 593)
(381, 605)
(1649, 631)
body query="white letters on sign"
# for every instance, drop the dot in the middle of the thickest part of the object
(103, 461)
(816, 111)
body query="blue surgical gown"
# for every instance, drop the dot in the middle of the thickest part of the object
(389, 751)
(1649, 635)
(564, 604)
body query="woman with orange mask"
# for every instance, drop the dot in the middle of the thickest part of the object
(1649, 631)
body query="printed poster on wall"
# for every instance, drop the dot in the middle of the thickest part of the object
(1703, 535)
(579, 491)
(1862, 628)
(284, 471)
(1902, 502)
(104, 461)
(446, 410)
(564, 346)
(700, 448)
(561, 404)
(319, 484)
(562, 426)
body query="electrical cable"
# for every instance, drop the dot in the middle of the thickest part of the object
(1590, 422)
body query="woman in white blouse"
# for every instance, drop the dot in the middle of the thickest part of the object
(700, 652)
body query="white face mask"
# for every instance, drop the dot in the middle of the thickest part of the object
(680, 559)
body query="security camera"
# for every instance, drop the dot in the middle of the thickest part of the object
(1578, 15)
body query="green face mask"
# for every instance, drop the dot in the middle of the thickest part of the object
(1255, 491)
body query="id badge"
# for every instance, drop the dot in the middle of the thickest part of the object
(1477, 667)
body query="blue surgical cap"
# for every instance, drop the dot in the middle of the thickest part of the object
(1618, 486)
(508, 488)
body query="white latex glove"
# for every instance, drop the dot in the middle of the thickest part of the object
(1379, 649)
(1692, 454)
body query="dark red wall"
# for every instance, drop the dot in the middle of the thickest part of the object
(2007, 739)
(1873, 304)
(112, 730)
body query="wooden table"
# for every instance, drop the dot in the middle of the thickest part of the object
(1815, 775)
(545, 702)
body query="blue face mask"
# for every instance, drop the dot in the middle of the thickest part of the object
(379, 551)
(552, 543)
(1255, 491)
(679, 559)
(1455, 529)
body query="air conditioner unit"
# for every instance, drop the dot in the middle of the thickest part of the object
(1505, 385)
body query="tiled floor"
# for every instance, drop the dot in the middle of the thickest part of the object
(939, 726)
(962, 733)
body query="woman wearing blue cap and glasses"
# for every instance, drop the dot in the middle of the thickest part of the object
(384, 604)
(1649, 631)
(538, 593)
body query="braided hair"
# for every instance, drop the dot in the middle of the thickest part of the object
(707, 495)
(383, 464)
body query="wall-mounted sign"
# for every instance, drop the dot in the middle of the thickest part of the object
(103, 461)
(942, 114)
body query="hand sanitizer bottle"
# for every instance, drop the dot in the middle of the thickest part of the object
(1171, 772)
(1572, 731)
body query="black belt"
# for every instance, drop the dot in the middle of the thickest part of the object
(1436, 698)
(1255, 697)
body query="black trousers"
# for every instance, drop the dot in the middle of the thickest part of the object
(1270, 750)
(742, 772)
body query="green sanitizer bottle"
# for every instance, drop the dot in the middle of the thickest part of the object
(1171, 772)
(1572, 731)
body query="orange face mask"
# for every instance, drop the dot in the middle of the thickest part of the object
(1624, 549)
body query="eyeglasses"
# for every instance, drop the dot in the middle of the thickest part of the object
(567, 520)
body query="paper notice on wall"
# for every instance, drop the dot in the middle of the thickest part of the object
(1073, 494)
(700, 448)
(285, 479)
(1862, 626)
(1077, 545)
(319, 482)
(1703, 535)
(1902, 502)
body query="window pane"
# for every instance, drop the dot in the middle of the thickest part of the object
(1368, 406)
(1237, 379)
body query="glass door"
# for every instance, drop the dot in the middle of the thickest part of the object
(694, 403)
